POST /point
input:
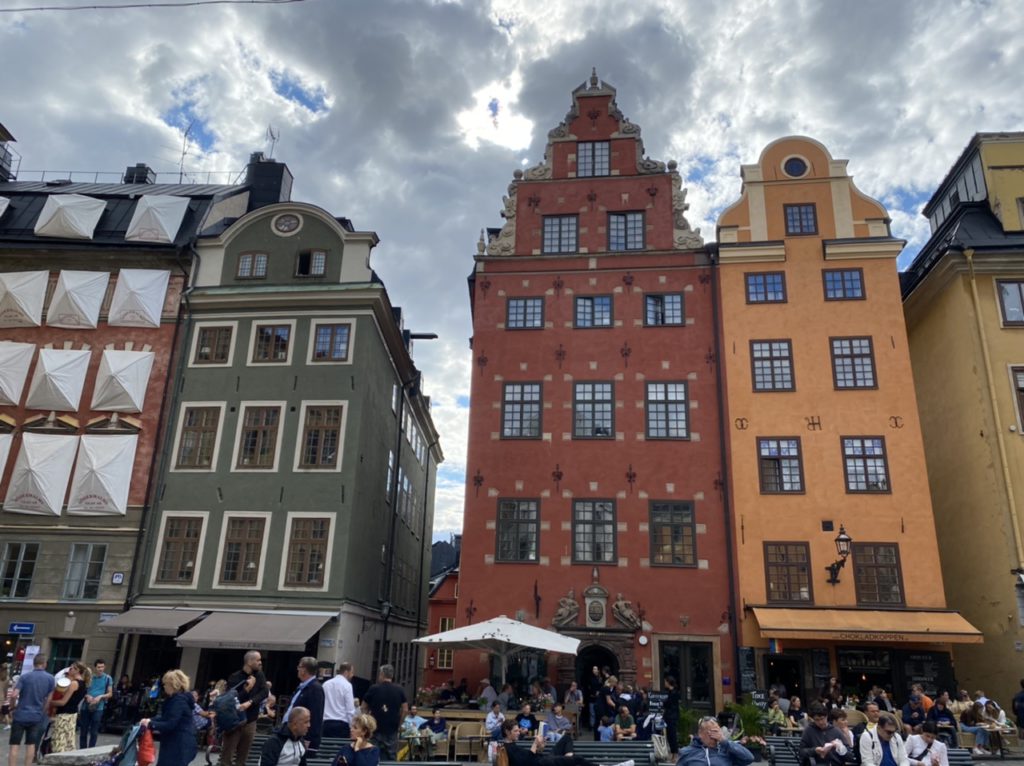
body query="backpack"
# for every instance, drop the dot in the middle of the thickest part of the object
(227, 716)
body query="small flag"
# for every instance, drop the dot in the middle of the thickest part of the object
(774, 646)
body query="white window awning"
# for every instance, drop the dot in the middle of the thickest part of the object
(69, 216)
(15, 359)
(103, 475)
(76, 301)
(138, 298)
(122, 381)
(58, 379)
(157, 218)
(40, 477)
(21, 298)
(5, 450)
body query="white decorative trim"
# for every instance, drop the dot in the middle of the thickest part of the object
(788, 157)
(273, 224)
(287, 542)
(242, 407)
(216, 441)
(301, 426)
(271, 320)
(205, 516)
(330, 321)
(773, 253)
(195, 343)
(853, 250)
(267, 517)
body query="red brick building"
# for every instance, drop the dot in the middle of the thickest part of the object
(593, 502)
(441, 611)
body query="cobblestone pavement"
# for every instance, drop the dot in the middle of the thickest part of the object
(104, 740)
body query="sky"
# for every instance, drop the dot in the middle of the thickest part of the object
(409, 117)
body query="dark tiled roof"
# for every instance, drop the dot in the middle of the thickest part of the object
(116, 190)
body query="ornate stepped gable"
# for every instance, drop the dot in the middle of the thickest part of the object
(684, 236)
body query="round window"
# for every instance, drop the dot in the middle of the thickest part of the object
(795, 167)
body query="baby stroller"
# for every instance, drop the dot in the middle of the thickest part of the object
(126, 752)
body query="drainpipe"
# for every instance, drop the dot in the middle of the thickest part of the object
(1004, 462)
(419, 576)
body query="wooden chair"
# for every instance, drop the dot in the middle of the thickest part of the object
(465, 747)
(855, 717)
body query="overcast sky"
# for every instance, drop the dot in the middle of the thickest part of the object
(410, 117)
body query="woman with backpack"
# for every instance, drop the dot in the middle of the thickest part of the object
(175, 725)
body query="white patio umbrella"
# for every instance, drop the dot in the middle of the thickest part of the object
(502, 637)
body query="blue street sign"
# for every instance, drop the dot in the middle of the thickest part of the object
(22, 628)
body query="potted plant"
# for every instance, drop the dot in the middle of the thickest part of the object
(688, 720)
(750, 725)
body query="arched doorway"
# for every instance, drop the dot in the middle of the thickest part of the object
(586, 659)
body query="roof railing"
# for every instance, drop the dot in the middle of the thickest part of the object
(224, 177)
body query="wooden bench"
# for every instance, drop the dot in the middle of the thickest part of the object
(329, 747)
(605, 753)
(787, 752)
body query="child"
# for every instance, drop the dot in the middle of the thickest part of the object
(605, 730)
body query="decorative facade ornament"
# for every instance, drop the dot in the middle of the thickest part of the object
(505, 242)
(481, 244)
(596, 601)
(647, 165)
(623, 612)
(568, 610)
(539, 172)
(683, 236)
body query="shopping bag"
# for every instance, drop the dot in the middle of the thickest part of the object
(147, 749)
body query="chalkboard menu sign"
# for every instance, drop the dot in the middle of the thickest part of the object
(748, 670)
(656, 702)
(820, 664)
(760, 698)
(930, 669)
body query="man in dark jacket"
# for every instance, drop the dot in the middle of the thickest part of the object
(284, 747)
(250, 685)
(821, 743)
(561, 754)
(309, 695)
(386, 702)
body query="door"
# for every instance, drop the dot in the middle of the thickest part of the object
(787, 671)
(691, 664)
(64, 652)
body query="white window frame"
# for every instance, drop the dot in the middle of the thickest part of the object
(1019, 415)
(306, 403)
(195, 344)
(271, 320)
(216, 584)
(282, 574)
(85, 578)
(313, 323)
(242, 406)
(194, 585)
(182, 407)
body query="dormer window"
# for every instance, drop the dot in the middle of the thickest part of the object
(311, 263)
(252, 266)
(592, 159)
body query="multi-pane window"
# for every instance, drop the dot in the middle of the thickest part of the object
(321, 436)
(307, 553)
(243, 546)
(663, 309)
(311, 263)
(843, 284)
(865, 464)
(252, 266)
(560, 233)
(525, 314)
(330, 342)
(198, 437)
(594, 311)
(766, 287)
(258, 445)
(876, 573)
(592, 158)
(853, 363)
(593, 532)
(625, 231)
(673, 534)
(801, 219)
(1011, 302)
(788, 572)
(1018, 388)
(521, 405)
(445, 656)
(391, 475)
(213, 345)
(179, 549)
(85, 569)
(16, 569)
(772, 365)
(593, 405)
(518, 527)
(780, 465)
(666, 411)
(271, 343)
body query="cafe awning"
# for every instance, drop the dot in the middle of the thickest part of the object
(888, 626)
(154, 621)
(255, 630)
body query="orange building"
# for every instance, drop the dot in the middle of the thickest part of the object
(593, 502)
(838, 568)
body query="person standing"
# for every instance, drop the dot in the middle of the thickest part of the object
(62, 736)
(286, 744)
(31, 698)
(250, 685)
(670, 714)
(339, 703)
(386, 702)
(175, 725)
(1018, 705)
(309, 695)
(90, 715)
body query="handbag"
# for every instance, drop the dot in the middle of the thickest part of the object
(660, 742)
(146, 753)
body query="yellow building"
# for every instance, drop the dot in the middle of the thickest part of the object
(964, 305)
(836, 556)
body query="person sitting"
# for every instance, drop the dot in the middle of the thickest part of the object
(776, 718)
(913, 715)
(447, 695)
(712, 747)
(561, 753)
(605, 732)
(821, 742)
(361, 751)
(557, 724)
(943, 718)
(506, 696)
(797, 717)
(885, 703)
(436, 728)
(961, 703)
(573, 696)
(871, 713)
(926, 701)
(413, 720)
(837, 717)
(926, 749)
(883, 746)
(526, 720)
(625, 725)
(492, 724)
(286, 745)
(410, 731)
(486, 692)
(972, 721)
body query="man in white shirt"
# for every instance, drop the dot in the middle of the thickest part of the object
(486, 692)
(926, 749)
(339, 702)
(883, 746)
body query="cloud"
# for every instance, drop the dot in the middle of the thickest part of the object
(386, 112)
